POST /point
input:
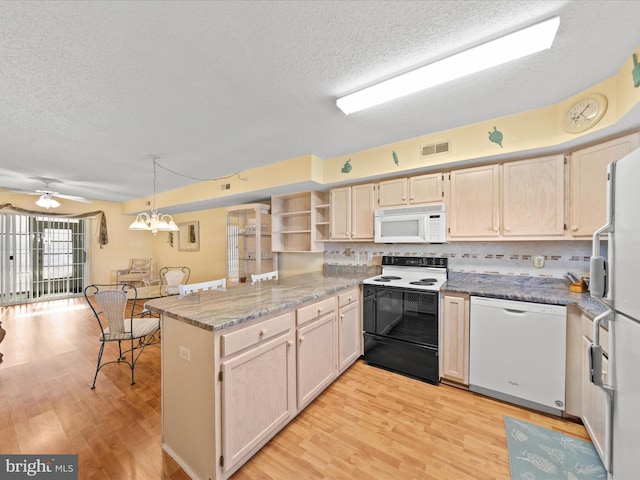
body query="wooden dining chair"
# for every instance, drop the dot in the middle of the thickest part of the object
(220, 284)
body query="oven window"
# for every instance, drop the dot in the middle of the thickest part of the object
(407, 315)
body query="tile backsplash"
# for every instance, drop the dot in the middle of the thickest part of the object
(504, 258)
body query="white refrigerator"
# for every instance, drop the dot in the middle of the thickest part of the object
(614, 281)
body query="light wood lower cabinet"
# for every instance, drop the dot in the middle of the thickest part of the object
(256, 397)
(349, 329)
(239, 386)
(316, 362)
(454, 344)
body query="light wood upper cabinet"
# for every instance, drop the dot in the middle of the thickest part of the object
(352, 212)
(393, 192)
(300, 221)
(415, 190)
(474, 202)
(454, 350)
(589, 183)
(425, 188)
(533, 197)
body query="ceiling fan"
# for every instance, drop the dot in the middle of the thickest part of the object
(47, 195)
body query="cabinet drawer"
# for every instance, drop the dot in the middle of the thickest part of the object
(348, 297)
(304, 314)
(233, 342)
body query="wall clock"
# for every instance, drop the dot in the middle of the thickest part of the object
(585, 113)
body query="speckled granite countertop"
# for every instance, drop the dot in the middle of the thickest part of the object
(526, 289)
(216, 310)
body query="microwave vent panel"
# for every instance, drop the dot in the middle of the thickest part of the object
(439, 148)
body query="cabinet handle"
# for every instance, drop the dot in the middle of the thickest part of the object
(263, 332)
(289, 343)
(574, 228)
(349, 300)
(404, 198)
(410, 198)
(301, 339)
(507, 229)
(319, 311)
(341, 317)
(496, 229)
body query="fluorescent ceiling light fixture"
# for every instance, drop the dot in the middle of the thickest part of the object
(510, 47)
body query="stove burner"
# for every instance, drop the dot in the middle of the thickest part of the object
(386, 278)
(425, 282)
(432, 280)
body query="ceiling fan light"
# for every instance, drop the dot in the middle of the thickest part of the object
(45, 201)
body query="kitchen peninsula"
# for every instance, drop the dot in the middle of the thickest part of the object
(239, 364)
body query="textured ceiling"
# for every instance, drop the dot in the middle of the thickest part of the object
(90, 89)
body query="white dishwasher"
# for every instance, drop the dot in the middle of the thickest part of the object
(518, 352)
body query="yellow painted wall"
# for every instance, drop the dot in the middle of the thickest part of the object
(209, 262)
(296, 170)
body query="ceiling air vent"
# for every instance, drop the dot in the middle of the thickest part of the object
(435, 149)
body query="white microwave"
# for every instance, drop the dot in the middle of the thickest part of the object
(423, 224)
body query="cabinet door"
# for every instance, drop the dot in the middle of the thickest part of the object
(362, 207)
(349, 335)
(594, 401)
(533, 197)
(425, 188)
(474, 209)
(589, 183)
(392, 192)
(454, 349)
(258, 397)
(317, 365)
(340, 207)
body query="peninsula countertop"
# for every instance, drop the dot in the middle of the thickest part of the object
(219, 309)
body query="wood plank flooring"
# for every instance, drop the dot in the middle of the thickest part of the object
(370, 424)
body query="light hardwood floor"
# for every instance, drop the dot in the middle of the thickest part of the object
(370, 424)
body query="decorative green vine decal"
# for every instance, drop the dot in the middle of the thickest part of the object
(496, 136)
(347, 167)
(636, 71)
(395, 157)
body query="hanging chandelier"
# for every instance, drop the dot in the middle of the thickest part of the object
(154, 221)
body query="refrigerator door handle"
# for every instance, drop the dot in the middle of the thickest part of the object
(595, 354)
(598, 281)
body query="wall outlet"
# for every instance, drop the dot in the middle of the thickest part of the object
(185, 354)
(538, 261)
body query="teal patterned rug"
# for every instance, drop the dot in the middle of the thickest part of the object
(537, 453)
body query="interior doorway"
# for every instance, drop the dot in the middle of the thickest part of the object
(41, 257)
